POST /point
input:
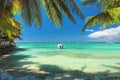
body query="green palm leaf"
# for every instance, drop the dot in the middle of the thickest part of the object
(3, 4)
(73, 6)
(106, 18)
(88, 2)
(53, 12)
(30, 11)
(109, 4)
(65, 9)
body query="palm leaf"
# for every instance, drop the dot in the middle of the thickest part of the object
(9, 26)
(65, 9)
(72, 5)
(109, 17)
(53, 12)
(88, 2)
(25, 11)
(30, 11)
(109, 4)
(15, 7)
(35, 12)
(3, 4)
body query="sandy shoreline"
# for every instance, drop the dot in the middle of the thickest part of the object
(86, 65)
(58, 68)
(66, 63)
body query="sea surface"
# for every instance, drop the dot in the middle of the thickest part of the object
(86, 57)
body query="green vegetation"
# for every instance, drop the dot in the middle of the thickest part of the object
(109, 16)
(30, 10)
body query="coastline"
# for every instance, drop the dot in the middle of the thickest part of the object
(44, 61)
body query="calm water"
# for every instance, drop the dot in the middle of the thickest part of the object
(80, 50)
(89, 57)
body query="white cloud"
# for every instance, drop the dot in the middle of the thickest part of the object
(112, 35)
(89, 30)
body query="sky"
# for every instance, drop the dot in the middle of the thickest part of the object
(69, 32)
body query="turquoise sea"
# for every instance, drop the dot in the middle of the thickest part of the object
(88, 57)
(78, 50)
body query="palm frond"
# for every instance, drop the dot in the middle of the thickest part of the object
(53, 12)
(65, 9)
(15, 7)
(103, 3)
(8, 26)
(73, 6)
(25, 11)
(106, 18)
(36, 12)
(88, 2)
(109, 4)
(30, 11)
(3, 4)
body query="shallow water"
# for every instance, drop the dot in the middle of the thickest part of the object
(87, 57)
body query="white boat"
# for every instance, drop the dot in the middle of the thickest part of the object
(60, 46)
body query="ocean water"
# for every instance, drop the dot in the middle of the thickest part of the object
(77, 50)
(88, 57)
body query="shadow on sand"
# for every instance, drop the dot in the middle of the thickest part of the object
(12, 65)
(58, 73)
(19, 50)
(12, 61)
(54, 72)
(113, 67)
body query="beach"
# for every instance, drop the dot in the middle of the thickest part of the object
(46, 58)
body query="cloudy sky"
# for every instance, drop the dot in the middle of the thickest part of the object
(107, 35)
(69, 32)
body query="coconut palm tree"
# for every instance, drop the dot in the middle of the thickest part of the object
(9, 32)
(109, 16)
(30, 10)
(9, 28)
